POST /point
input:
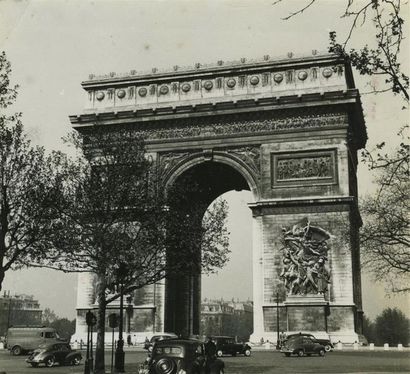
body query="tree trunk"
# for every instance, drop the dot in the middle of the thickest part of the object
(99, 350)
(2, 274)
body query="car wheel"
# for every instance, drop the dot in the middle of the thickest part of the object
(322, 352)
(16, 351)
(219, 353)
(247, 352)
(328, 348)
(34, 364)
(287, 354)
(75, 361)
(50, 362)
(301, 353)
(165, 366)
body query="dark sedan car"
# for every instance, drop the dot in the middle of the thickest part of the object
(228, 345)
(50, 354)
(301, 346)
(325, 342)
(181, 356)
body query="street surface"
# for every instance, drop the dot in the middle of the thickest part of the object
(268, 362)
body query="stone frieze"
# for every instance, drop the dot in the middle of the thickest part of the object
(193, 130)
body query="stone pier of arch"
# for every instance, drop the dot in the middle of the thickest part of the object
(286, 129)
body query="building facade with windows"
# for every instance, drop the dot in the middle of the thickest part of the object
(18, 310)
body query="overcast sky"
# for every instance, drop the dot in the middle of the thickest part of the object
(54, 45)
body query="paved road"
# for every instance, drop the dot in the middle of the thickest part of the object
(258, 363)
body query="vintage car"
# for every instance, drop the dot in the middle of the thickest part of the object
(325, 342)
(228, 345)
(301, 346)
(149, 343)
(181, 356)
(49, 354)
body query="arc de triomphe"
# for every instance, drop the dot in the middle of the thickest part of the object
(288, 130)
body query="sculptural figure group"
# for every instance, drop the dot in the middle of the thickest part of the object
(304, 259)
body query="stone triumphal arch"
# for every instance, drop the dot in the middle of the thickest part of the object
(288, 130)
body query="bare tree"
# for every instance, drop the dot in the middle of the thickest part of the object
(382, 57)
(111, 218)
(385, 235)
(25, 185)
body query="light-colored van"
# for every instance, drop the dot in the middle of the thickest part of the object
(25, 339)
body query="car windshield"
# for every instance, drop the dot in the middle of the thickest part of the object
(168, 350)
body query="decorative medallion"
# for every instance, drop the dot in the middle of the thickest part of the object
(231, 83)
(121, 94)
(254, 80)
(327, 72)
(278, 77)
(305, 253)
(142, 91)
(302, 75)
(208, 85)
(164, 90)
(100, 96)
(186, 87)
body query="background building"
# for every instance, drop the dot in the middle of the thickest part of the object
(17, 310)
(233, 318)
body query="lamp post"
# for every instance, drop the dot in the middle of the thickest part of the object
(277, 321)
(129, 315)
(119, 352)
(91, 320)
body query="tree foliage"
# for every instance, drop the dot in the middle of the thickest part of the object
(392, 327)
(64, 327)
(111, 217)
(385, 235)
(25, 184)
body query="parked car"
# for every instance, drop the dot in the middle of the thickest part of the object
(181, 356)
(325, 342)
(149, 343)
(26, 339)
(301, 346)
(228, 345)
(49, 354)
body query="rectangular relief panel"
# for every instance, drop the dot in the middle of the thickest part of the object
(296, 169)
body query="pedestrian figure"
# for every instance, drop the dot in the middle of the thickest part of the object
(210, 354)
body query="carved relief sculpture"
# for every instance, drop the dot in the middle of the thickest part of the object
(307, 167)
(305, 253)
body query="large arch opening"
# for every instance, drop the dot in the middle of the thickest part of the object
(208, 180)
(227, 293)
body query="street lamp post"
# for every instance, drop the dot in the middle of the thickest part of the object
(91, 320)
(129, 315)
(277, 321)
